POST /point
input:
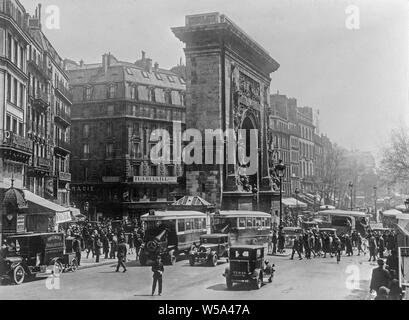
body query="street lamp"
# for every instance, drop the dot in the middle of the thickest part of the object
(280, 168)
(376, 214)
(296, 203)
(351, 186)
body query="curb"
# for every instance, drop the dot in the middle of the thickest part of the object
(104, 263)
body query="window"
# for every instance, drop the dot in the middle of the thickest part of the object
(88, 92)
(109, 150)
(171, 79)
(152, 95)
(9, 87)
(145, 74)
(133, 92)
(158, 76)
(129, 71)
(249, 222)
(168, 97)
(9, 45)
(20, 129)
(182, 81)
(86, 150)
(85, 131)
(188, 224)
(197, 224)
(109, 128)
(16, 52)
(21, 95)
(110, 110)
(154, 171)
(15, 92)
(111, 91)
(85, 173)
(242, 222)
(21, 58)
(181, 225)
(8, 123)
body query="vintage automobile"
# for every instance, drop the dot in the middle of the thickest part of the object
(330, 231)
(246, 264)
(29, 254)
(211, 248)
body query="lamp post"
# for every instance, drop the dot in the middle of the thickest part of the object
(296, 191)
(376, 214)
(351, 186)
(280, 168)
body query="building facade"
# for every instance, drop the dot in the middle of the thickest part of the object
(116, 107)
(48, 118)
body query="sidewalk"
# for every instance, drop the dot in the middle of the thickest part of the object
(90, 262)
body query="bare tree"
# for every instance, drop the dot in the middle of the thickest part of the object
(395, 157)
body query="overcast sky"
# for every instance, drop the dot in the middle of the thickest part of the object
(358, 79)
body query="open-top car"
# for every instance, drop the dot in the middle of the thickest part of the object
(29, 254)
(246, 264)
(211, 248)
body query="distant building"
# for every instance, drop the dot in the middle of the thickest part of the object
(116, 106)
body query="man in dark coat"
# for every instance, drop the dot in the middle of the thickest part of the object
(380, 277)
(372, 247)
(76, 247)
(296, 247)
(348, 246)
(105, 245)
(381, 246)
(157, 269)
(392, 262)
(274, 240)
(281, 241)
(121, 255)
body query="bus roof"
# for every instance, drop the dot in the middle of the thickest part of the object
(242, 213)
(168, 215)
(338, 212)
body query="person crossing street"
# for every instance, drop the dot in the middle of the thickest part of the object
(122, 251)
(157, 269)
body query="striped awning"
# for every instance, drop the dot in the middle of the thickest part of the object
(192, 201)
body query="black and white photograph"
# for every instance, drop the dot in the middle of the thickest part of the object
(204, 151)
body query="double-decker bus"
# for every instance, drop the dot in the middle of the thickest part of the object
(343, 221)
(243, 227)
(168, 233)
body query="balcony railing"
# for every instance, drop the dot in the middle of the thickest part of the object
(43, 162)
(62, 89)
(62, 145)
(9, 139)
(63, 116)
(65, 176)
(41, 98)
(40, 67)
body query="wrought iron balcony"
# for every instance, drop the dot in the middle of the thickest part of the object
(63, 91)
(62, 146)
(63, 117)
(14, 146)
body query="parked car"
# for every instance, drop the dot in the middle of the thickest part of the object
(211, 248)
(246, 264)
(29, 254)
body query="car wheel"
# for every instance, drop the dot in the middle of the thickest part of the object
(229, 283)
(192, 260)
(74, 265)
(213, 260)
(142, 260)
(57, 268)
(18, 275)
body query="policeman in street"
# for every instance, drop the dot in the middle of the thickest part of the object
(121, 254)
(157, 269)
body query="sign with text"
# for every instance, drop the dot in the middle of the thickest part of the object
(154, 179)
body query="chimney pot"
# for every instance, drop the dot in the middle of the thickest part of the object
(156, 66)
(143, 55)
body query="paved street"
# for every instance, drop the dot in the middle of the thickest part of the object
(314, 279)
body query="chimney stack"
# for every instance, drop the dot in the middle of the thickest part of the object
(81, 63)
(143, 55)
(156, 66)
(105, 62)
(148, 65)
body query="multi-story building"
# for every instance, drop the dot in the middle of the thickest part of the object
(305, 122)
(15, 148)
(116, 106)
(48, 117)
(28, 63)
(295, 133)
(278, 128)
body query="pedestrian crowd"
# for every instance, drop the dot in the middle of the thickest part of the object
(102, 238)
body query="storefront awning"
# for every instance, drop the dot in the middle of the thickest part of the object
(39, 205)
(293, 203)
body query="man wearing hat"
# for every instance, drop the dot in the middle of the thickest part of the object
(76, 247)
(380, 277)
(121, 255)
(157, 269)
